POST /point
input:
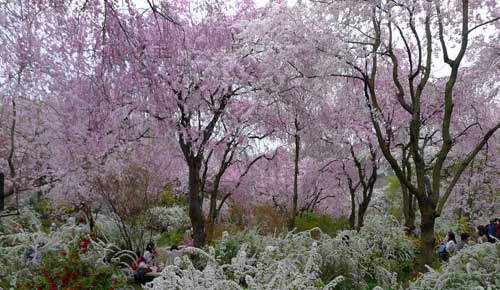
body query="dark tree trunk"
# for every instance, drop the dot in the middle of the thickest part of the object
(409, 202)
(87, 210)
(2, 191)
(212, 214)
(293, 214)
(352, 217)
(195, 203)
(427, 241)
(408, 209)
(366, 184)
(361, 214)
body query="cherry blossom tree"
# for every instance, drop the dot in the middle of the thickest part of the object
(24, 146)
(399, 40)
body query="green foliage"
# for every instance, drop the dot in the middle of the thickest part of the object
(167, 239)
(327, 224)
(394, 198)
(43, 208)
(394, 185)
(168, 199)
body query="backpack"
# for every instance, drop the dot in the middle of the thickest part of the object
(442, 251)
(442, 248)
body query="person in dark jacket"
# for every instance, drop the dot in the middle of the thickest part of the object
(492, 231)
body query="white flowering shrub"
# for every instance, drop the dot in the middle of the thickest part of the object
(22, 234)
(380, 252)
(169, 218)
(266, 271)
(473, 268)
(229, 246)
(24, 247)
(389, 247)
(296, 261)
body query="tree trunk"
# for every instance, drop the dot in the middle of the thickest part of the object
(87, 210)
(361, 214)
(293, 214)
(427, 241)
(212, 214)
(2, 201)
(352, 217)
(408, 209)
(195, 203)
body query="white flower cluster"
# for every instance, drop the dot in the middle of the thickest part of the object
(473, 268)
(266, 271)
(169, 218)
(295, 261)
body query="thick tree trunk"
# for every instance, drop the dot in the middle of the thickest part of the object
(195, 204)
(293, 214)
(427, 241)
(2, 201)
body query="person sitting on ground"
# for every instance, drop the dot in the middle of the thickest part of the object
(146, 269)
(150, 252)
(451, 245)
(481, 233)
(464, 241)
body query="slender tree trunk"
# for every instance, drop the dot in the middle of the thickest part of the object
(427, 241)
(212, 214)
(408, 198)
(10, 158)
(408, 209)
(195, 203)
(352, 217)
(361, 214)
(87, 210)
(293, 214)
(2, 201)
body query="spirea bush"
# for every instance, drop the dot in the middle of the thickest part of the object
(473, 268)
(22, 236)
(379, 253)
(266, 271)
(33, 259)
(169, 218)
(302, 260)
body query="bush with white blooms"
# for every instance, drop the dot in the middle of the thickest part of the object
(474, 268)
(294, 261)
(168, 218)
